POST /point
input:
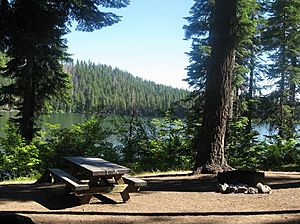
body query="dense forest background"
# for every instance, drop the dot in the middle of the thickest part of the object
(97, 88)
(244, 70)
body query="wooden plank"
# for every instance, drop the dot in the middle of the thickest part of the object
(69, 179)
(115, 188)
(125, 194)
(134, 181)
(98, 166)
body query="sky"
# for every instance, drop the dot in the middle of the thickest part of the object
(148, 41)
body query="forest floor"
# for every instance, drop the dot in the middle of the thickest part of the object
(166, 199)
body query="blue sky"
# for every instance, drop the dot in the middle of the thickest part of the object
(148, 42)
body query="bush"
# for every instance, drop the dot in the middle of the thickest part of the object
(280, 153)
(18, 158)
(243, 151)
(170, 146)
(86, 139)
(158, 144)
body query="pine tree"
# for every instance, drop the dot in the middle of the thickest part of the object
(282, 42)
(31, 33)
(219, 30)
(101, 87)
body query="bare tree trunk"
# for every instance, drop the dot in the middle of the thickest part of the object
(282, 131)
(250, 96)
(210, 150)
(28, 107)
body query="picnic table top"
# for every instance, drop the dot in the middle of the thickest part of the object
(97, 166)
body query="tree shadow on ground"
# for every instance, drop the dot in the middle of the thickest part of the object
(143, 218)
(52, 196)
(283, 182)
(11, 218)
(49, 196)
(207, 183)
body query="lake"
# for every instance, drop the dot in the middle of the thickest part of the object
(66, 121)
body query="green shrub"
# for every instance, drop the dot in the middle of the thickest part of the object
(18, 158)
(243, 151)
(170, 146)
(280, 153)
(158, 144)
(85, 139)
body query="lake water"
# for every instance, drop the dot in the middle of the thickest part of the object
(66, 121)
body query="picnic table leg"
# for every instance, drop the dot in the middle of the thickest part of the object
(125, 194)
(68, 189)
(84, 199)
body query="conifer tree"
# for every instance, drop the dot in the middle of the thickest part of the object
(282, 42)
(217, 36)
(31, 34)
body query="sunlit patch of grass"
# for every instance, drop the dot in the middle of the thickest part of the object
(19, 180)
(289, 167)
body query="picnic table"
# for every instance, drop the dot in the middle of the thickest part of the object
(87, 176)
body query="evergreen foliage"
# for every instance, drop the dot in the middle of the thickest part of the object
(17, 157)
(103, 89)
(282, 43)
(262, 28)
(31, 35)
(140, 144)
(86, 139)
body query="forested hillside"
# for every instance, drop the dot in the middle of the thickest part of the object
(101, 88)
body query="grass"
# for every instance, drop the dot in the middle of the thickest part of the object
(19, 180)
(288, 168)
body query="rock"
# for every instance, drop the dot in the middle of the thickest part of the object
(226, 189)
(251, 190)
(222, 187)
(263, 189)
(241, 188)
(230, 189)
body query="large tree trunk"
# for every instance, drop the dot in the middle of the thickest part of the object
(28, 107)
(210, 153)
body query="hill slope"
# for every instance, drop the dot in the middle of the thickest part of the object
(100, 87)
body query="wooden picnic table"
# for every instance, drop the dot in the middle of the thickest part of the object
(89, 176)
(97, 167)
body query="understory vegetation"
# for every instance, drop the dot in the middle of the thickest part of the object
(244, 69)
(158, 144)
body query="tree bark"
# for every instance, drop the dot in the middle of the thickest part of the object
(250, 96)
(28, 107)
(282, 131)
(210, 149)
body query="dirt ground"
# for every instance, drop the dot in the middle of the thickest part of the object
(166, 199)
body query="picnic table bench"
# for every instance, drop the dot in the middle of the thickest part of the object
(88, 176)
